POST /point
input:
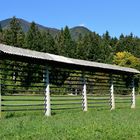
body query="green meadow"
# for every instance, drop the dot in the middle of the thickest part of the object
(100, 124)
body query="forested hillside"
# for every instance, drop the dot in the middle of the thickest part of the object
(25, 25)
(123, 51)
(77, 43)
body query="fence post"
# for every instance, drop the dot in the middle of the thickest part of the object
(133, 94)
(84, 93)
(0, 98)
(112, 98)
(47, 95)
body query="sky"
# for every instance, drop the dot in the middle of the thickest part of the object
(115, 16)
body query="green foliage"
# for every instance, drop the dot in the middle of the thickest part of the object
(78, 30)
(77, 42)
(88, 47)
(128, 43)
(1, 35)
(33, 38)
(106, 50)
(0, 28)
(126, 59)
(48, 43)
(65, 44)
(14, 35)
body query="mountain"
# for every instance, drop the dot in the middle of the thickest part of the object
(25, 26)
(75, 31)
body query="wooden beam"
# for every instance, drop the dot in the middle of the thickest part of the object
(133, 94)
(84, 94)
(47, 95)
(0, 98)
(112, 98)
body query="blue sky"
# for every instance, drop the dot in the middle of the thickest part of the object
(116, 16)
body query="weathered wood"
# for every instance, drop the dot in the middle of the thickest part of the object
(133, 94)
(28, 109)
(84, 93)
(47, 95)
(0, 98)
(112, 98)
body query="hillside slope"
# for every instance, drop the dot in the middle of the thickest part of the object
(75, 31)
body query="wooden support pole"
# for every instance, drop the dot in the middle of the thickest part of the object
(112, 98)
(133, 94)
(84, 94)
(0, 98)
(47, 95)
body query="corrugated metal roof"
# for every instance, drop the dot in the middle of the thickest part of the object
(61, 59)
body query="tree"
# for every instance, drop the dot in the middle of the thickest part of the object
(33, 38)
(128, 43)
(106, 50)
(126, 59)
(65, 44)
(0, 28)
(48, 43)
(14, 35)
(79, 47)
(88, 47)
(93, 45)
(1, 35)
(106, 36)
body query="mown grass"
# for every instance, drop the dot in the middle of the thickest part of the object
(120, 124)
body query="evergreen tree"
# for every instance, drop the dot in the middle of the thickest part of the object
(48, 43)
(33, 41)
(59, 41)
(82, 48)
(1, 35)
(88, 47)
(106, 36)
(106, 54)
(33, 38)
(14, 35)
(0, 28)
(78, 46)
(93, 45)
(65, 44)
(113, 42)
(121, 36)
(128, 43)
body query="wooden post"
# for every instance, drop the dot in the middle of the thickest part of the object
(0, 98)
(112, 98)
(84, 93)
(47, 95)
(133, 94)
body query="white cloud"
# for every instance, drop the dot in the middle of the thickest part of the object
(82, 24)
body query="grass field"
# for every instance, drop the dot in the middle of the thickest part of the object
(120, 124)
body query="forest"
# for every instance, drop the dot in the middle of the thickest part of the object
(123, 51)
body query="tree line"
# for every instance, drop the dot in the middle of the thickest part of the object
(124, 51)
(92, 46)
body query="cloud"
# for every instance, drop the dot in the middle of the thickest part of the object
(82, 24)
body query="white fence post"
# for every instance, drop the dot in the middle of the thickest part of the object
(84, 93)
(112, 98)
(133, 94)
(47, 95)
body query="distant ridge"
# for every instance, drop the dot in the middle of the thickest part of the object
(75, 31)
